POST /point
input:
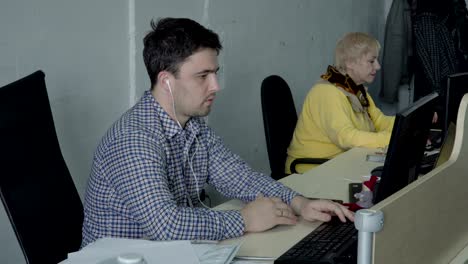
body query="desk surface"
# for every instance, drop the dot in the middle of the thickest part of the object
(329, 180)
(461, 258)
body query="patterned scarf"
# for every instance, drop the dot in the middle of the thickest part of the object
(356, 94)
(347, 84)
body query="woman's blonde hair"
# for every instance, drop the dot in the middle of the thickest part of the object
(352, 47)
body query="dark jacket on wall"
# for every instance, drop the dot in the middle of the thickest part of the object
(427, 39)
(435, 51)
(396, 51)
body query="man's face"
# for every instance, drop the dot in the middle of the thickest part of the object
(196, 85)
(364, 69)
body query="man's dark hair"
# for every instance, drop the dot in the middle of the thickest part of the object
(172, 41)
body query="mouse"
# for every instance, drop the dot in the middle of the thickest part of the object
(377, 171)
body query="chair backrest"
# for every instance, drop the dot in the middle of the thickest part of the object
(36, 188)
(279, 121)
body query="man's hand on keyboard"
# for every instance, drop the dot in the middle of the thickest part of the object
(267, 212)
(321, 210)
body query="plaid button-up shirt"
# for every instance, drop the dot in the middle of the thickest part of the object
(146, 169)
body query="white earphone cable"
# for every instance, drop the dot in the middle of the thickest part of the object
(195, 176)
(196, 147)
(173, 103)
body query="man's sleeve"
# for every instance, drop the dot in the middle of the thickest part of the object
(137, 172)
(234, 178)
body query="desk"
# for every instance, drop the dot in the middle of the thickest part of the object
(461, 258)
(329, 180)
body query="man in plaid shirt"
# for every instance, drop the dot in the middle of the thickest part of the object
(150, 167)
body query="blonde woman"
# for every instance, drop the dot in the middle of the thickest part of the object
(338, 113)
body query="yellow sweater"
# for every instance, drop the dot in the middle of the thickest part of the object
(328, 126)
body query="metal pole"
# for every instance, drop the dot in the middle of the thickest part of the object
(367, 222)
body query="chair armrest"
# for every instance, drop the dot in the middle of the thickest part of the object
(306, 161)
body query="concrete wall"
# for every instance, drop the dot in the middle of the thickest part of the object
(90, 52)
(294, 39)
(82, 46)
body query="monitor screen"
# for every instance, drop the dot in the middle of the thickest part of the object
(407, 146)
(457, 87)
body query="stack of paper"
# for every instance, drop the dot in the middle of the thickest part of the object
(107, 250)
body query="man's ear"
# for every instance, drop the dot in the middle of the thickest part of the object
(164, 80)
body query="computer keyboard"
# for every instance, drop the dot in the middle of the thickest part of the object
(331, 243)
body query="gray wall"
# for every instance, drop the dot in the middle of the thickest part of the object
(82, 48)
(294, 39)
(86, 49)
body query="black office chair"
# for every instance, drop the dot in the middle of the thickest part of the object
(279, 121)
(36, 188)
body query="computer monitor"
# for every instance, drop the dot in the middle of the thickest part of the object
(457, 87)
(407, 146)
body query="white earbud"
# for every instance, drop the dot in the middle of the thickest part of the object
(169, 85)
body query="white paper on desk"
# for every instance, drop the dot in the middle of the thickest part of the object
(216, 254)
(153, 251)
(251, 262)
